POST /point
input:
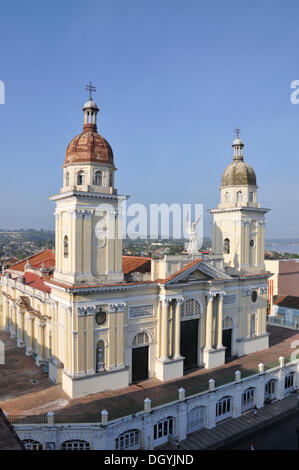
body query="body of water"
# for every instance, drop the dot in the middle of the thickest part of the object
(283, 245)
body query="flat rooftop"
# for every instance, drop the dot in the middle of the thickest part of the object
(25, 389)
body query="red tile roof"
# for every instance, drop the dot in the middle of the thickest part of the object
(129, 264)
(136, 263)
(35, 281)
(47, 257)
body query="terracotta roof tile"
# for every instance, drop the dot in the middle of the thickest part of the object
(136, 263)
(36, 261)
(35, 281)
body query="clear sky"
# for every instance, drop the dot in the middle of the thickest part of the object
(173, 78)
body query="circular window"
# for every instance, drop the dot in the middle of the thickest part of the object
(100, 316)
(251, 243)
(254, 295)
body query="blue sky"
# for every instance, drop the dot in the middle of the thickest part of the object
(173, 77)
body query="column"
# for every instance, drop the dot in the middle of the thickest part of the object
(20, 328)
(164, 338)
(6, 315)
(40, 343)
(209, 322)
(246, 242)
(177, 339)
(110, 243)
(112, 336)
(120, 335)
(258, 260)
(29, 338)
(220, 318)
(262, 242)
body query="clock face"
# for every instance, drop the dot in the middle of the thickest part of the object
(100, 316)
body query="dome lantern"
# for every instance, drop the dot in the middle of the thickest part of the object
(238, 173)
(89, 146)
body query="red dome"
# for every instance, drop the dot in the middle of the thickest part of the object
(89, 146)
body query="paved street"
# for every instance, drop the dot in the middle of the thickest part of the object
(278, 436)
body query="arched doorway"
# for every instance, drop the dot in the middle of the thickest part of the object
(227, 336)
(140, 351)
(189, 333)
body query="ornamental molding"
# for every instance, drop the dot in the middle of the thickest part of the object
(80, 214)
(114, 308)
(246, 291)
(86, 310)
(169, 298)
(262, 290)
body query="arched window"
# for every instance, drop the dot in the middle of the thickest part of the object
(98, 178)
(31, 444)
(227, 323)
(190, 307)
(100, 364)
(223, 408)
(239, 196)
(75, 444)
(140, 339)
(196, 418)
(80, 178)
(226, 246)
(128, 440)
(251, 196)
(66, 247)
(226, 197)
(252, 325)
(270, 390)
(248, 399)
(163, 429)
(289, 381)
(67, 179)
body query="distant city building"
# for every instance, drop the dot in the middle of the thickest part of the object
(286, 309)
(284, 279)
(100, 320)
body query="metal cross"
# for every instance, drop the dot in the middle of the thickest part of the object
(90, 88)
(237, 131)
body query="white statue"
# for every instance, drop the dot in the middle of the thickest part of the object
(192, 247)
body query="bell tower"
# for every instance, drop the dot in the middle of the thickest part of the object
(88, 240)
(239, 221)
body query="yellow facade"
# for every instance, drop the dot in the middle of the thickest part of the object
(95, 331)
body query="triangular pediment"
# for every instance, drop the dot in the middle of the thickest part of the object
(198, 272)
(196, 275)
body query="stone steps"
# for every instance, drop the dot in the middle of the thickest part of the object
(232, 427)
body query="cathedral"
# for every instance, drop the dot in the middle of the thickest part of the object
(97, 320)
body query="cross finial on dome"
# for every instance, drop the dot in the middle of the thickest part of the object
(237, 132)
(90, 88)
